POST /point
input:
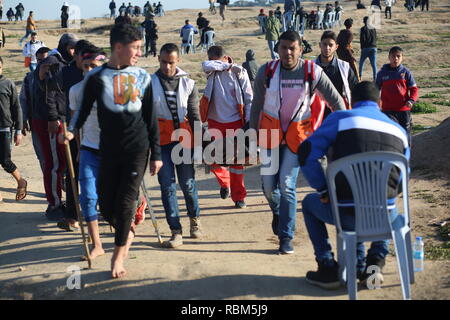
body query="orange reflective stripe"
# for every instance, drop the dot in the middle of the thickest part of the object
(267, 124)
(166, 128)
(297, 133)
(204, 108)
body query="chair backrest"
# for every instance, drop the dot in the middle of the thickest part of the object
(319, 17)
(368, 175)
(209, 37)
(330, 16)
(188, 35)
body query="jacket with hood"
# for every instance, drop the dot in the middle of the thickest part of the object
(55, 97)
(273, 26)
(10, 110)
(397, 86)
(368, 37)
(251, 65)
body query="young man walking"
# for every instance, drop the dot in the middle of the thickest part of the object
(30, 49)
(175, 100)
(282, 111)
(399, 90)
(31, 27)
(10, 121)
(368, 40)
(345, 50)
(129, 128)
(226, 105)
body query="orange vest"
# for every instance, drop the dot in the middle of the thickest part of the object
(167, 131)
(308, 112)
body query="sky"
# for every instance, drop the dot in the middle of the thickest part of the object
(50, 9)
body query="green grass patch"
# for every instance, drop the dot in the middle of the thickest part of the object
(431, 95)
(419, 128)
(442, 103)
(423, 107)
(437, 252)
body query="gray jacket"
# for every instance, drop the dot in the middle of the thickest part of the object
(10, 110)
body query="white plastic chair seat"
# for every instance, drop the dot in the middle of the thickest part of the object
(188, 41)
(209, 37)
(367, 175)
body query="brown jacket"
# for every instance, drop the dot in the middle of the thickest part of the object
(31, 24)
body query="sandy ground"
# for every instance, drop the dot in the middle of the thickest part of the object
(238, 257)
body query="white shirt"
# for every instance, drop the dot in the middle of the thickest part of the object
(90, 133)
(30, 49)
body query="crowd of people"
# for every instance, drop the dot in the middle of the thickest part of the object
(121, 119)
(136, 11)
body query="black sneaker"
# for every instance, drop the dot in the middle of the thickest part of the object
(286, 246)
(326, 277)
(275, 224)
(240, 204)
(54, 213)
(372, 261)
(224, 193)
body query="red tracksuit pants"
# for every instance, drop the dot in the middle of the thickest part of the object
(233, 177)
(55, 161)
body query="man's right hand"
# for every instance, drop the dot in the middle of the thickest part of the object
(53, 126)
(64, 139)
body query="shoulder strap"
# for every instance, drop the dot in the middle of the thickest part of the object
(271, 67)
(308, 68)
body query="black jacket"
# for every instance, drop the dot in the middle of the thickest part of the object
(368, 37)
(10, 110)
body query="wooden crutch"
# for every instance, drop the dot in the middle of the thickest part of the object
(75, 197)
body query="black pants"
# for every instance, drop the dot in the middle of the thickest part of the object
(388, 9)
(425, 3)
(150, 44)
(5, 152)
(119, 180)
(70, 211)
(404, 119)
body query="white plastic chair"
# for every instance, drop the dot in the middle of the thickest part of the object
(329, 20)
(319, 20)
(337, 18)
(209, 37)
(188, 41)
(368, 175)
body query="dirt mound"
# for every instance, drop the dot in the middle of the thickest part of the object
(431, 149)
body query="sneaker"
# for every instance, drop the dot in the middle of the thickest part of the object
(286, 246)
(275, 224)
(54, 213)
(372, 261)
(240, 204)
(326, 277)
(224, 193)
(195, 229)
(140, 212)
(175, 241)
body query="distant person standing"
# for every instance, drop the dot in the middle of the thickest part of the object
(64, 15)
(130, 9)
(112, 8)
(345, 50)
(30, 49)
(148, 9)
(368, 40)
(19, 11)
(424, 3)
(31, 26)
(137, 11)
(124, 18)
(360, 5)
(376, 3)
(151, 35)
(159, 9)
(10, 14)
(1, 11)
(251, 65)
(223, 5)
(388, 8)
(273, 26)
(122, 9)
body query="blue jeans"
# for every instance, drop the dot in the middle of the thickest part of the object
(370, 53)
(316, 214)
(273, 54)
(27, 33)
(89, 166)
(280, 190)
(186, 180)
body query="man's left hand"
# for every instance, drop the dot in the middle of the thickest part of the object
(155, 166)
(17, 139)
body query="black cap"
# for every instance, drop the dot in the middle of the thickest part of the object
(365, 90)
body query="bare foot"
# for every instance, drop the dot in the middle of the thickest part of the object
(129, 242)
(96, 252)
(117, 268)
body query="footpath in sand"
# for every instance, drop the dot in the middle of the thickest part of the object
(238, 257)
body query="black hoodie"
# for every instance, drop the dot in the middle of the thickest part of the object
(10, 110)
(251, 65)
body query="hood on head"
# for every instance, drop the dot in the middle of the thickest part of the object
(67, 39)
(250, 55)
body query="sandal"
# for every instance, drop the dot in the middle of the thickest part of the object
(21, 192)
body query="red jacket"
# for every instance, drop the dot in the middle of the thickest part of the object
(397, 87)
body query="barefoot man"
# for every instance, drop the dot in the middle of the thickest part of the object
(129, 128)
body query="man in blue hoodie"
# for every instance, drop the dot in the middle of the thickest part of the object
(364, 128)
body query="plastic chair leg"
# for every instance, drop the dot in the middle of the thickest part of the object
(340, 258)
(410, 257)
(402, 261)
(350, 264)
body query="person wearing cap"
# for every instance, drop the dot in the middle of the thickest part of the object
(54, 107)
(64, 15)
(31, 27)
(30, 49)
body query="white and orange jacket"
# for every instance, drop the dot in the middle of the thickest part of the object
(228, 94)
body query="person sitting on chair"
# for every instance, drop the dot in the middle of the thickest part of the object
(368, 129)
